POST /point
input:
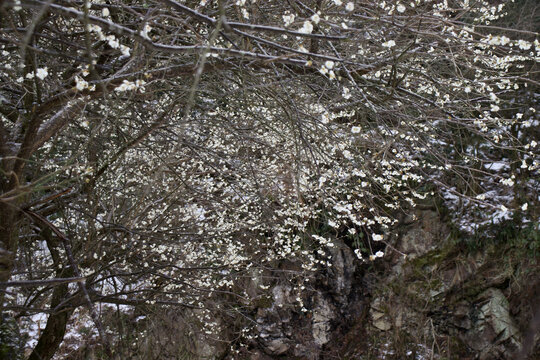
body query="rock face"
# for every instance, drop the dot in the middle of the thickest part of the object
(274, 323)
(423, 235)
(283, 331)
(437, 301)
(323, 314)
(493, 333)
(378, 315)
(341, 273)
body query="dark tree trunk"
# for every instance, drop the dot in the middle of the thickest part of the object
(54, 331)
(8, 244)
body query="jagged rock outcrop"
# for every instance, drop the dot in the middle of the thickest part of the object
(282, 330)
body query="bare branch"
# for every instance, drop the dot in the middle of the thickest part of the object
(238, 25)
(34, 283)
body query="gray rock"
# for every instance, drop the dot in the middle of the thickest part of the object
(322, 315)
(493, 325)
(424, 236)
(379, 318)
(278, 346)
(282, 294)
(342, 270)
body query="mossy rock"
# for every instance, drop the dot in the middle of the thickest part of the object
(432, 260)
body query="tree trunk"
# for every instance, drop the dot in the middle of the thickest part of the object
(8, 244)
(54, 331)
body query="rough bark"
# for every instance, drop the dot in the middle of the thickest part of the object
(8, 244)
(54, 331)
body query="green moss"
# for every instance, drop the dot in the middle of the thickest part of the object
(431, 260)
(450, 277)
(262, 302)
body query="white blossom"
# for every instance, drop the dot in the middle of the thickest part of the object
(113, 42)
(346, 93)
(42, 73)
(144, 32)
(126, 51)
(331, 75)
(524, 45)
(507, 182)
(80, 83)
(307, 28)
(377, 237)
(288, 19)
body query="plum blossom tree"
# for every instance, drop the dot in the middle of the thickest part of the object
(164, 152)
